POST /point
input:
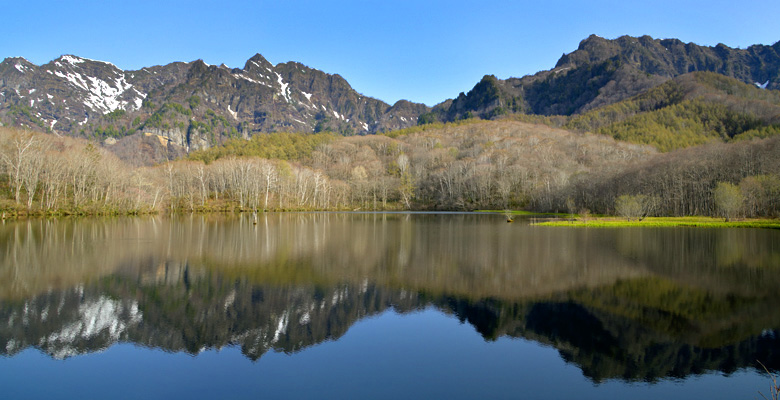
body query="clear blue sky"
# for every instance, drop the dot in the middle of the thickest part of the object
(423, 51)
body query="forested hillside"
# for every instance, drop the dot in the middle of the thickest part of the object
(469, 165)
(664, 93)
(689, 110)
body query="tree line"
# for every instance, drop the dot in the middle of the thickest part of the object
(462, 166)
(688, 182)
(50, 174)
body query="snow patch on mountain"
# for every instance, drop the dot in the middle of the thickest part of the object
(244, 77)
(105, 97)
(762, 86)
(339, 116)
(12, 346)
(285, 90)
(281, 326)
(139, 101)
(72, 59)
(102, 96)
(102, 316)
(74, 78)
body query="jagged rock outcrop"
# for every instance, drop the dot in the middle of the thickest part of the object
(197, 313)
(602, 72)
(192, 106)
(189, 105)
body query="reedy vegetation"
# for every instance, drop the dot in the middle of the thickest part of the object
(460, 166)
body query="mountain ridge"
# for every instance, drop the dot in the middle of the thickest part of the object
(190, 105)
(604, 71)
(184, 106)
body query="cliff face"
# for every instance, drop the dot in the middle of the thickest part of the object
(196, 313)
(191, 105)
(602, 72)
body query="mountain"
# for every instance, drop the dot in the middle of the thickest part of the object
(627, 337)
(163, 112)
(256, 318)
(635, 304)
(602, 72)
(187, 106)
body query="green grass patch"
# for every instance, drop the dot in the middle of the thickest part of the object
(661, 222)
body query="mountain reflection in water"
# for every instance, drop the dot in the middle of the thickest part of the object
(633, 304)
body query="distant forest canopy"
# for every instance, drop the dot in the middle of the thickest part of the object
(466, 165)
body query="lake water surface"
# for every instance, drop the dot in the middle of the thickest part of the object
(353, 305)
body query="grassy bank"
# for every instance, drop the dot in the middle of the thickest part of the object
(655, 222)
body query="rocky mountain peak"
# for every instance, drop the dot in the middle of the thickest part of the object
(196, 105)
(604, 71)
(258, 61)
(592, 41)
(198, 67)
(100, 86)
(20, 64)
(188, 105)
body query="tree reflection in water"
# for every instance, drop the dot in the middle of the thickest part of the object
(634, 304)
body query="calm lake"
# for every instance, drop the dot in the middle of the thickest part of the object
(353, 305)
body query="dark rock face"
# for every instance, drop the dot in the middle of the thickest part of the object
(602, 72)
(671, 57)
(190, 105)
(179, 315)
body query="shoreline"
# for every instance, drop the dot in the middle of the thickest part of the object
(666, 222)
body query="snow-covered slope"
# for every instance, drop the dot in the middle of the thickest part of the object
(191, 105)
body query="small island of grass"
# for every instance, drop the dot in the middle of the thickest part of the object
(657, 222)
